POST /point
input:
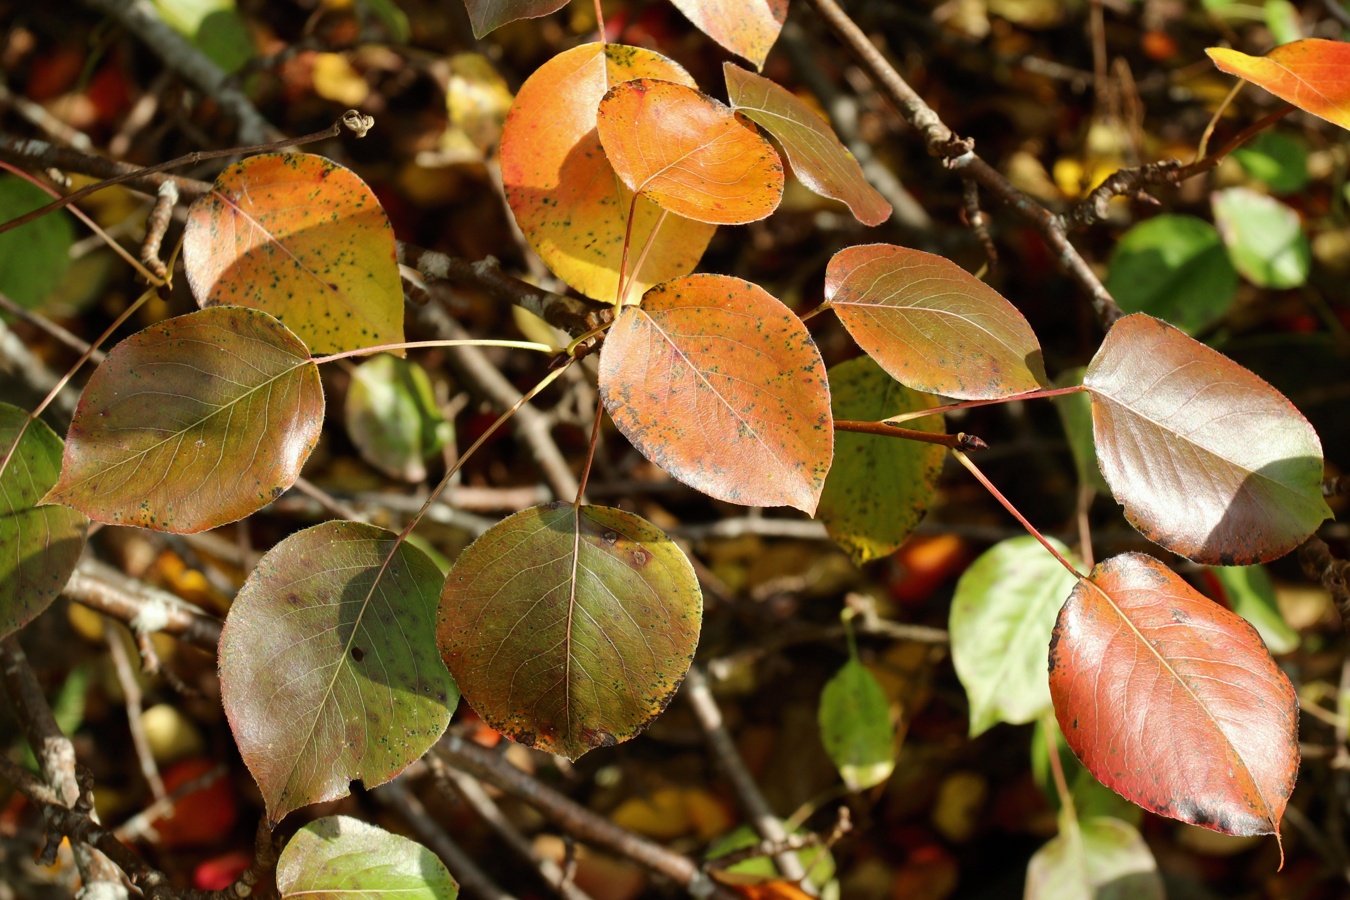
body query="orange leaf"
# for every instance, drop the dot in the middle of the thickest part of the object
(721, 385)
(1312, 74)
(304, 239)
(745, 27)
(689, 153)
(563, 191)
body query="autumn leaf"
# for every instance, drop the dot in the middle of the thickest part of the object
(747, 28)
(1313, 74)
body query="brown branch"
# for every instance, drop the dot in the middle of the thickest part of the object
(977, 220)
(958, 441)
(105, 589)
(1333, 574)
(156, 224)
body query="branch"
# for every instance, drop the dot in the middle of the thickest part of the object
(1333, 574)
(958, 441)
(103, 588)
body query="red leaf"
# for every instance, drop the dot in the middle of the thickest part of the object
(1172, 700)
(1312, 74)
(745, 27)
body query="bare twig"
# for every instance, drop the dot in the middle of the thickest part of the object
(75, 343)
(1333, 574)
(106, 589)
(131, 692)
(161, 214)
(958, 441)
(977, 220)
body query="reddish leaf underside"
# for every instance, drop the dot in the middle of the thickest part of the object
(1208, 460)
(304, 239)
(722, 386)
(194, 422)
(488, 15)
(570, 628)
(818, 159)
(931, 324)
(1313, 74)
(566, 196)
(1172, 700)
(689, 153)
(747, 28)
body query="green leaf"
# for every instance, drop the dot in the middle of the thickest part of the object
(39, 545)
(570, 628)
(817, 860)
(1278, 160)
(392, 417)
(1075, 413)
(878, 488)
(194, 422)
(214, 26)
(1252, 596)
(855, 725)
(328, 664)
(394, 20)
(341, 858)
(1264, 237)
(1175, 268)
(1108, 860)
(33, 257)
(1002, 616)
(1284, 21)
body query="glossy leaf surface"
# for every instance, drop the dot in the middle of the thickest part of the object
(1312, 74)
(341, 858)
(932, 325)
(1172, 700)
(747, 28)
(487, 15)
(304, 239)
(570, 629)
(329, 670)
(35, 256)
(722, 386)
(392, 416)
(1176, 427)
(1175, 268)
(817, 157)
(855, 726)
(1109, 861)
(39, 545)
(878, 488)
(194, 422)
(1264, 237)
(688, 153)
(565, 195)
(1002, 615)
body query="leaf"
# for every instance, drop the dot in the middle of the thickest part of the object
(1277, 160)
(722, 386)
(394, 19)
(303, 239)
(878, 488)
(341, 858)
(762, 870)
(855, 726)
(1172, 700)
(1283, 20)
(817, 157)
(194, 422)
(1075, 414)
(489, 15)
(392, 417)
(932, 325)
(1175, 426)
(1002, 615)
(329, 671)
(688, 153)
(39, 545)
(1175, 268)
(566, 196)
(1265, 238)
(570, 628)
(1251, 594)
(33, 257)
(1312, 74)
(1108, 860)
(1090, 797)
(214, 26)
(747, 28)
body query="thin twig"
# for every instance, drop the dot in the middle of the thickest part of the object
(132, 698)
(156, 224)
(958, 441)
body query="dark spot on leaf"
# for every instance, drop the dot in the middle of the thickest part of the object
(358, 654)
(525, 737)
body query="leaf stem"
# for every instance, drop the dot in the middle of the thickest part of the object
(971, 404)
(623, 260)
(410, 345)
(590, 454)
(1214, 121)
(600, 21)
(998, 495)
(1068, 810)
(815, 312)
(958, 441)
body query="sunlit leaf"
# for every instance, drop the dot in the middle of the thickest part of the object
(1172, 700)
(1075, 413)
(570, 628)
(747, 28)
(932, 325)
(1265, 238)
(855, 726)
(304, 239)
(487, 15)
(818, 159)
(1108, 861)
(341, 858)
(39, 545)
(688, 153)
(878, 488)
(566, 197)
(1208, 460)
(1312, 74)
(722, 386)
(194, 422)
(392, 416)
(1250, 594)
(1276, 159)
(329, 670)
(1175, 268)
(33, 257)
(1002, 615)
